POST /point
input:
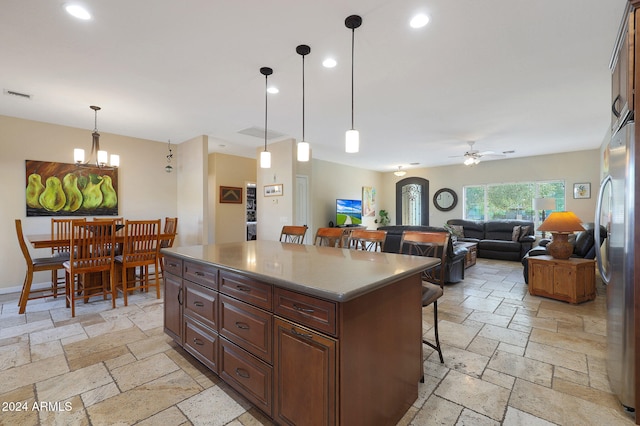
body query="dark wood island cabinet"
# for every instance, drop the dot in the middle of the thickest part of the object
(310, 335)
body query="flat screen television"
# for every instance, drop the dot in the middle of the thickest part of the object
(348, 212)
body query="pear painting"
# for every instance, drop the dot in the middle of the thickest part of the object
(62, 189)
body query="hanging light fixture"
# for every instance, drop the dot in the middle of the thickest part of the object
(168, 167)
(352, 137)
(400, 172)
(98, 157)
(265, 156)
(303, 146)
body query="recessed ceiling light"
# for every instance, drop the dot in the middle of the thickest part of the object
(329, 63)
(419, 21)
(273, 90)
(77, 11)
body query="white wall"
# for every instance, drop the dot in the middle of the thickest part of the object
(192, 192)
(572, 167)
(145, 190)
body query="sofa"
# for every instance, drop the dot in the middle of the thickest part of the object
(496, 239)
(454, 262)
(583, 246)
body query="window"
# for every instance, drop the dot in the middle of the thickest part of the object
(510, 200)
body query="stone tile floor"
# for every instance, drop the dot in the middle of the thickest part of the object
(510, 358)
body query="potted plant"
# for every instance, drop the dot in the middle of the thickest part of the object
(384, 218)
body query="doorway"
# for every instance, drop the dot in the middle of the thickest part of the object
(251, 211)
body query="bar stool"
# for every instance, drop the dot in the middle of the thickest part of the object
(362, 239)
(331, 237)
(431, 244)
(293, 234)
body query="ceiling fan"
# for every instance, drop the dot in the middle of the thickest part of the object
(473, 156)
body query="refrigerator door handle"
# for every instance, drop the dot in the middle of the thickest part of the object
(606, 275)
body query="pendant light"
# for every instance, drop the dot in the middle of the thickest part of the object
(168, 168)
(265, 156)
(352, 137)
(303, 146)
(98, 157)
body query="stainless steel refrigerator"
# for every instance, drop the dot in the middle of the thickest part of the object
(615, 211)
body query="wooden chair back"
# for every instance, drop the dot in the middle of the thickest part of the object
(331, 237)
(53, 264)
(91, 246)
(430, 244)
(170, 228)
(293, 234)
(116, 220)
(141, 242)
(61, 230)
(362, 239)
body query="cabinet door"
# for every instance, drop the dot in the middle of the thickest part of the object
(173, 307)
(305, 361)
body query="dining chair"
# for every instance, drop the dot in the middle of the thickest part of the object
(116, 220)
(293, 234)
(168, 237)
(331, 237)
(60, 230)
(368, 240)
(38, 264)
(140, 249)
(89, 272)
(431, 244)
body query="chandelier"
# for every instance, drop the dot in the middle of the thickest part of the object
(98, 158)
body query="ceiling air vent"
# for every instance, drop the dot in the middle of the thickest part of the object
(258, 132)
(18, 94)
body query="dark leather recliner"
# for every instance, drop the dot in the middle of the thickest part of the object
(454, 262)
(583, 246)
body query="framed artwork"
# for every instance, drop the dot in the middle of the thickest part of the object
(581, 190)
(231, 194)
(273, 190)
(62, 189)
(368, 201)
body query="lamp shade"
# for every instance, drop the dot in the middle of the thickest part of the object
(544, 203)
(564, 222)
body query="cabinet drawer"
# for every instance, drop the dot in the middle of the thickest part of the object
(201, 303)
(306, 310)
(247, 374)
(202, 343)
(173, 265)
(243, 288)
(201, 274)
(247, 326)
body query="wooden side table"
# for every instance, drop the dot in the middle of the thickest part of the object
(572, 280)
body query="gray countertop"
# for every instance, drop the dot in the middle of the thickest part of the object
(330, 273)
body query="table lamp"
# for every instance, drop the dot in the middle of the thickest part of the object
(561, 224)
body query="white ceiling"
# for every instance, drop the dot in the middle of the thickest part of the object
(528, 76)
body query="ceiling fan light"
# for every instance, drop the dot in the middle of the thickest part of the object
(303, 151)
(468, 161)
(352, 141)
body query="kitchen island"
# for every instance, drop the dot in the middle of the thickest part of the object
(310, 335)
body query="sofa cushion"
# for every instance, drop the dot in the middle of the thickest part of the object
(458, 230)
(472, 229)
(499, 245)
(524, 232)
(515, 234)
(502, 229)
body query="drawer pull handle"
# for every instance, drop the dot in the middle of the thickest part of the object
(173, 265)
(243, 288)
(199, 274)
(242, 373)
(301, 309)
(180, 296)
(198, 341)
(242, 325)
(304, 335)
(198, 303)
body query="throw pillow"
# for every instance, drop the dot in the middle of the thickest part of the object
(515, 235)
(458, 231)
(524, 231)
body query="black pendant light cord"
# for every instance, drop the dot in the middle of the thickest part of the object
(302, 98)
(353, 36)
(266, 104)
